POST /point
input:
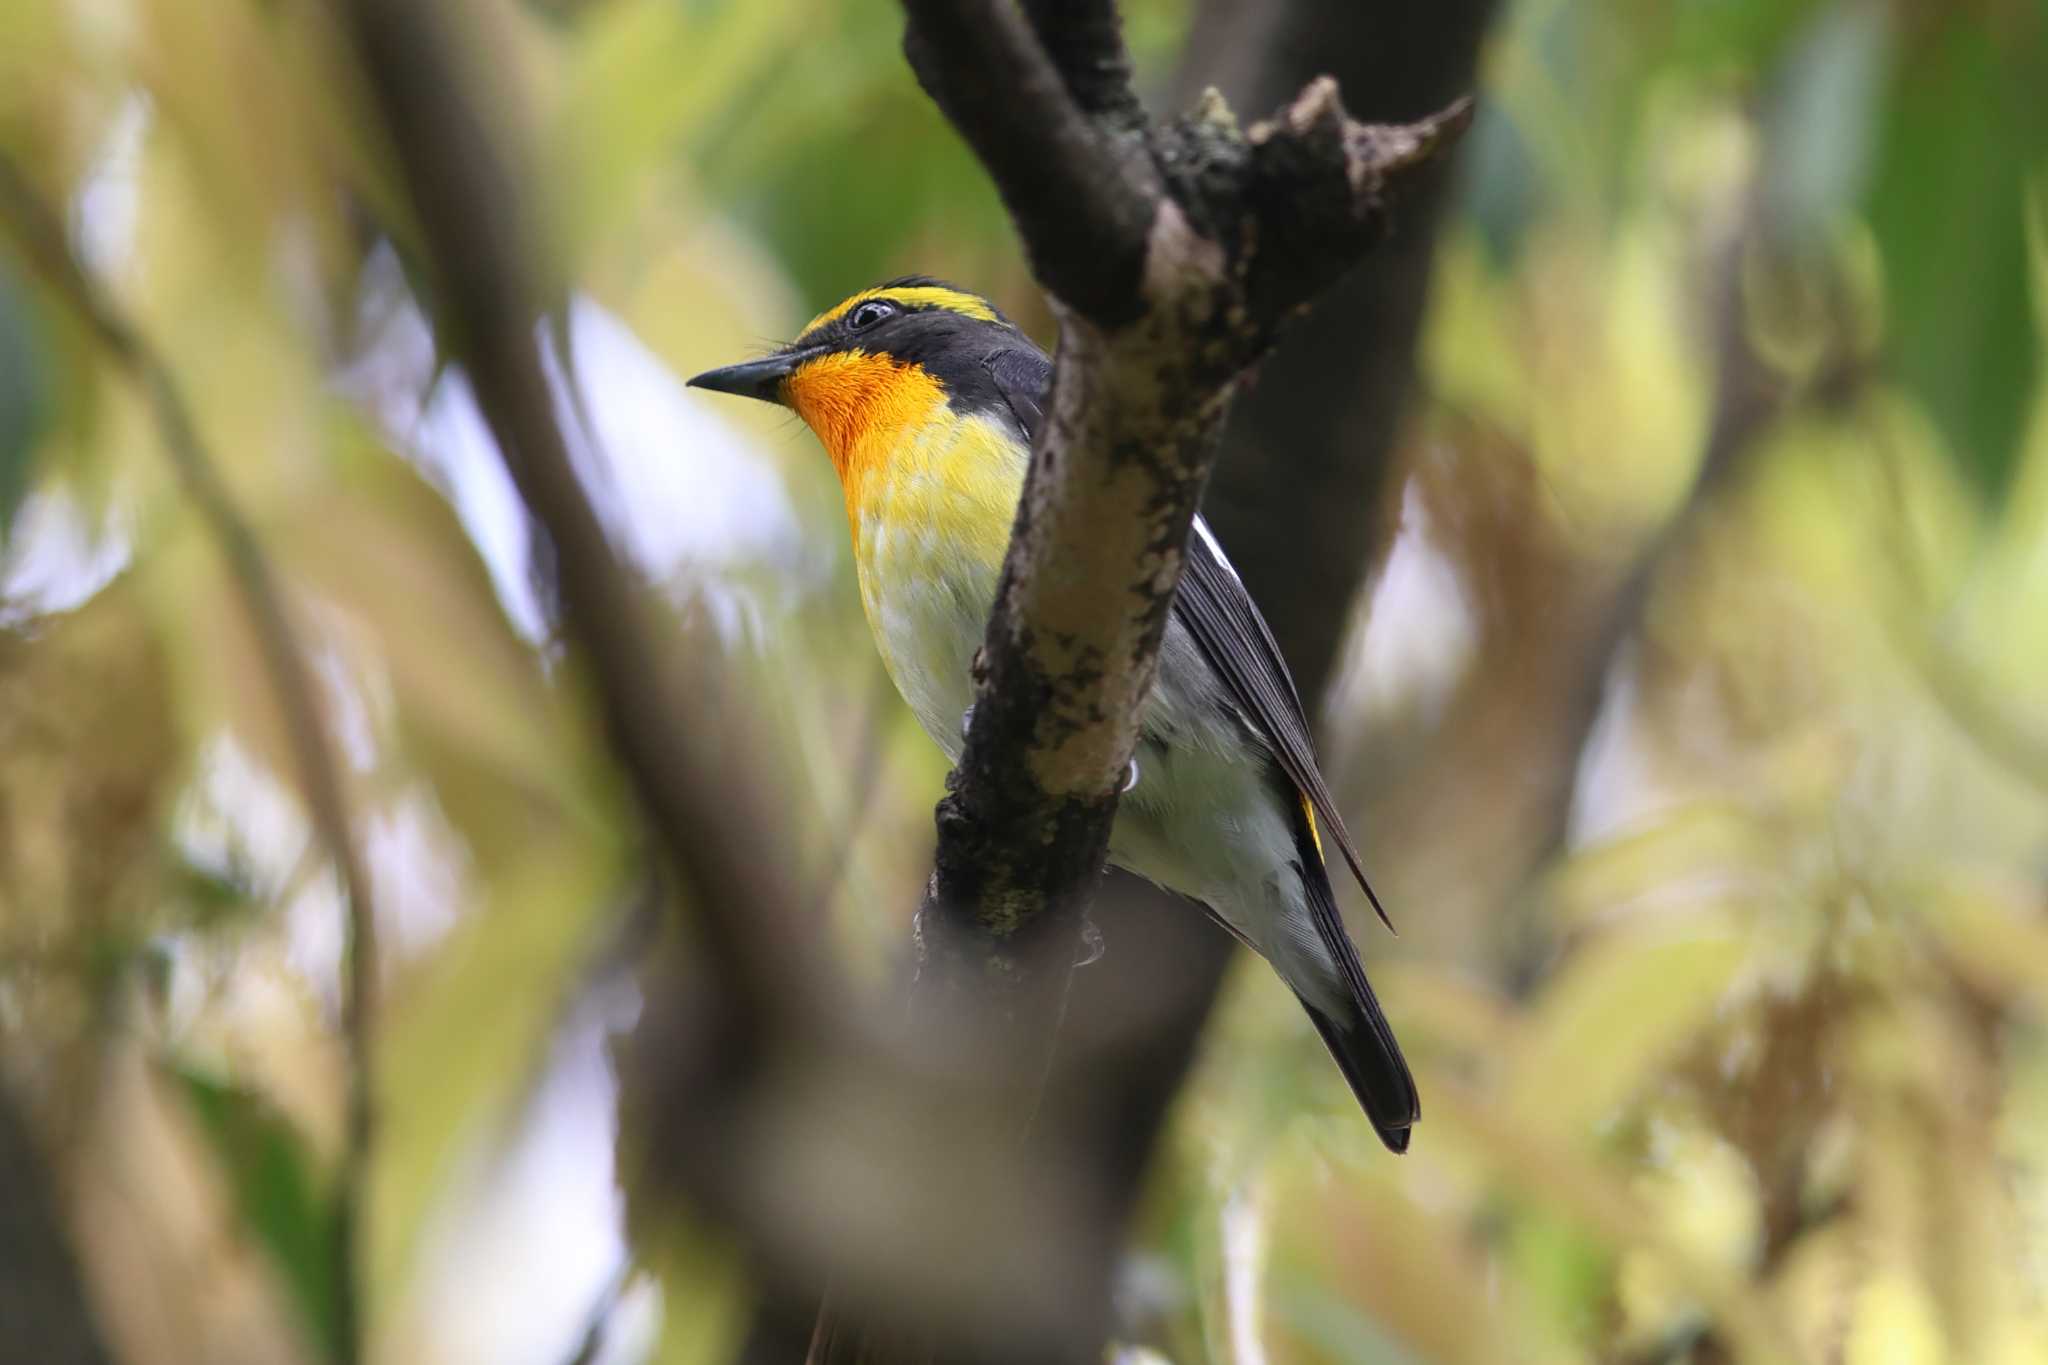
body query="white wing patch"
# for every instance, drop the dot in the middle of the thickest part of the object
(1209, 539)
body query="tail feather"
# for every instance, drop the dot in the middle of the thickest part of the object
(1356, 1031)
(1365, 1051)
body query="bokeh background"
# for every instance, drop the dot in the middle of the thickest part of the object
(1693, 716)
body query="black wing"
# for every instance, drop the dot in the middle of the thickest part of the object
(1024, 379)
(1214, 607)
(1234, 638)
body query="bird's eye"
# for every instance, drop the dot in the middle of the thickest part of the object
(870, 313)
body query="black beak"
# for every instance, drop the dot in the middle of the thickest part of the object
(760, 379)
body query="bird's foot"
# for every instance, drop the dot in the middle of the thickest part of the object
(1092, 945)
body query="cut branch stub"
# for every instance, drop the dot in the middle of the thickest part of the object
(1245, 229)
(1044, 98)
(1315, 189)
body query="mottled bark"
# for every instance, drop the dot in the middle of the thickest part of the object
(1174, 254)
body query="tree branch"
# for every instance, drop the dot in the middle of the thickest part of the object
(40, 234)
(1155, 256)
(44, 1313)
(1081, 200)
(1085, 39)
(754, 1088)
(481, 246)
(1174, 255)
(1241, 231)
(1300, 497)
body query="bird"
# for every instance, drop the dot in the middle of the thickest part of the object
(927, 400)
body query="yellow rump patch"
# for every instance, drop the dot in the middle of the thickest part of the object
(1313, 833)
(910, 296)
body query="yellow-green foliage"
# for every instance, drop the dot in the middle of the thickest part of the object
(1728, 1018)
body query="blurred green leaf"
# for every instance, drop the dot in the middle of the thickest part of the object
(473, 708)
(1503, 183)
(1819, 124)
(1894, 1323)
(1567, 1266)
(1741, 33)
(24, 405)
(1338, 1329)
(1613, 1158)
(1704, 842)
(270, 1170)
(1964, 126)
(211, 896)
(624, 109)
(463, 1036)
(1986, 656)
(1992, 931)
(704, 1293)
(1623, 1006)
(1363, 1263)
(837, 158)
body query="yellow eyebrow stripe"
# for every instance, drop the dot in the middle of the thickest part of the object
(910, 296)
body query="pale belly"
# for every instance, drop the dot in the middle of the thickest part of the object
(929, 538)
(928, 607)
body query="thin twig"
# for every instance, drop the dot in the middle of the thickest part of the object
(40, 234)
(598, 1321)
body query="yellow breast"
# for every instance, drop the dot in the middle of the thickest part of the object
(930, 495)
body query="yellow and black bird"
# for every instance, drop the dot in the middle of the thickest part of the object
(927, 400)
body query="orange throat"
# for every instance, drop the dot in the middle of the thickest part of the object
(861, 406)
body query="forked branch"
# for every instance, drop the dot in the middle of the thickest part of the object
(1174, 253)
